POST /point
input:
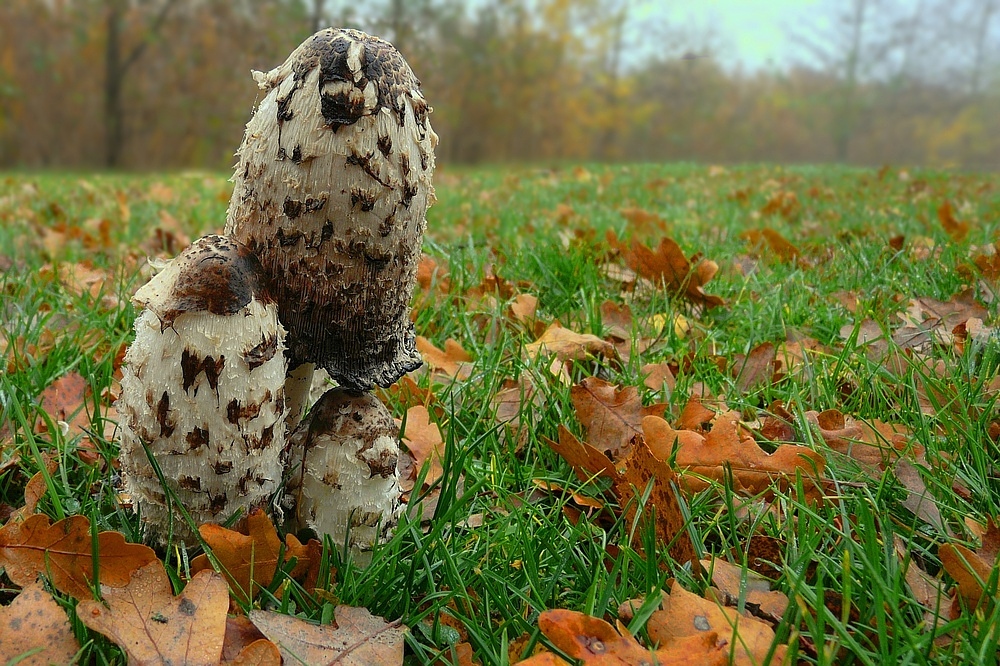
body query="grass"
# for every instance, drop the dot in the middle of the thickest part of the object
(486, 584)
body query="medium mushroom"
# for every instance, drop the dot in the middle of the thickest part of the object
(343, 470)
(332, 186)
(203, 390)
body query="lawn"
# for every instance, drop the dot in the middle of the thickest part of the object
(846, 312)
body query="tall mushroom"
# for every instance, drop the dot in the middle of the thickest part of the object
(203, 390)
(332, 187)
(343, 470)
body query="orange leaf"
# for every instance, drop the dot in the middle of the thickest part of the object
(524, 308)
(64, 400)
(756, 369)
(685, 614)
(63, 551)
(34, 623)
(952, 226)
(423, 440)
(611, 416)
(774, 241)
(972, 570)
(452, 361)
(153, 626)
(249, 560)
(568, 345)
(517, 404)
(358, 638)
(751, 587)
(657, 376)
(585, 460)
(668, 266)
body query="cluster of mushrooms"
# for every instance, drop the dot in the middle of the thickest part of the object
(316, 268)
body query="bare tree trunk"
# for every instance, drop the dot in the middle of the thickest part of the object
(317, 18)
(988, 7)
(847, 109)
(116, 67)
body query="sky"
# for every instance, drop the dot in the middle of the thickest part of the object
(752, 32)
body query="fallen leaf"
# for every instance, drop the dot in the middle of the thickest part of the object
(953, 227)
(596, 643)
(358, 639)
(668, 266)
(724, 448)
(431, 275)
(248, 561)
(641, 469)
(972, 571)
(34, 630)
(617, 320)
(423, 440)
(153, 626)
(523, 308)
(516, 407)
(658, 377)
(240, 633)
(259, 653)
(585, 460)
(453, 361)
(64, 552)
(610, 415)
(745, 586)
(686, 614)
(568, 345)
(65, 400)
(756, 369)
(642, 221)
(775, 242)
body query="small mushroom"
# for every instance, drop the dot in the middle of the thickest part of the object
(343, 470)
(331, 191)
(203, 390)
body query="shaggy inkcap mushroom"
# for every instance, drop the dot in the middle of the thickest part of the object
(343, 469)
(202, 390)
(332, 187)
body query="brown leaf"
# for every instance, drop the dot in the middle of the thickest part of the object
(523, 308)
(612, 416)
(617, 320)
(429, 275)
(668, 266)
(641, 468)
(358, 639)
(308, 558)
(453, 361)
(568, 345)
(658, 376)
(35, 624)
(240, 633)
(153, 626)
(423, 440)
(585, 460)
(972, 570)
(724, 447)
(686, 614)
(739, 585)
(34, 490)
(64, 552)
(596, 643)
(65, 400)
(756, 369)
(517, 405)
(643, 221)
(775, 242)
(259, 653)
(248, 561)
(952, 226)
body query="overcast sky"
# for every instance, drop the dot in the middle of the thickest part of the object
(752, 32)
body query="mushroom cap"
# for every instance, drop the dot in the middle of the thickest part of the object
(214, 274)
(332, 187)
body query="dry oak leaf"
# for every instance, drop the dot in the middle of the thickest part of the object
(642, 469)
(64, 551)
(585, 460)
(523, 308)
(424, 442)
(156, 628)
(610, 415)
(642, 221)
(596, 643)
(658, 376)
(249, 561)
(972, 570)
(755, 369)
(35, 631)
(775, 242)
(737, 584)
(453, 361)
(753, 470)
(685, 614)
(955, 228)
(429, 275)
(358, 639)
(33, 492)
(668, 266)
(64, 400)
(568, 345)
(517, 405)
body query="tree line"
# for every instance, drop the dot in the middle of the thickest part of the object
(153, 84)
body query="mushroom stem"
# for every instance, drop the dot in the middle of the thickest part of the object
(298, 385)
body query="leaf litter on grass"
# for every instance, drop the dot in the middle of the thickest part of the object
(769, 421)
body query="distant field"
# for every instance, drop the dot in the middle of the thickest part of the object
(847, 312)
